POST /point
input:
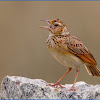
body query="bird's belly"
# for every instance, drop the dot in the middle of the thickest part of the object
(66, 59)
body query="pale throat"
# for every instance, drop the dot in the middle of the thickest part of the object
(63, 33)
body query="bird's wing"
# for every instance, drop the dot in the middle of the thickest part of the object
(76, 47)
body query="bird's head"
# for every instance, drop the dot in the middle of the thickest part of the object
(55, 26)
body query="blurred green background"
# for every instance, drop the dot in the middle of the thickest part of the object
(23, 50)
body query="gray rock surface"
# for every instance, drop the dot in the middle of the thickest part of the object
(14, 87)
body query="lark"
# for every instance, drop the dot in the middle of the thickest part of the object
(69, 50)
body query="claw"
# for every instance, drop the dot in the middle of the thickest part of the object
(56, 84)
(72, 89)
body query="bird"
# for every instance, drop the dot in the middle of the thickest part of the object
(68, 50)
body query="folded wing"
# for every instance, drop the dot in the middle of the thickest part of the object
(76, 47)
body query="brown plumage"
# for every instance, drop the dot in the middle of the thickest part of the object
(77, 48)
(92, 70)
(69, 50)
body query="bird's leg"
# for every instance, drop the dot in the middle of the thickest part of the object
(73, 87)
(58, 82)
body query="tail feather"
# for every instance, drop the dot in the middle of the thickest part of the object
(92, 70)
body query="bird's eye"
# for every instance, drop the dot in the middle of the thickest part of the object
(56, 25)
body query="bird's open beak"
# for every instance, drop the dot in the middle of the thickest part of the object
(46, 27)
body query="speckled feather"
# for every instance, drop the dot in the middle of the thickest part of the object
(69, 43)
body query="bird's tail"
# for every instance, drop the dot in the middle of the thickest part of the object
(92, 70)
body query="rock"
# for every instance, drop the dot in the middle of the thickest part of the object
(14, 87)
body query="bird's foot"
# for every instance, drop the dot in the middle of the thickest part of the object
(72, 89)
(56, 84)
